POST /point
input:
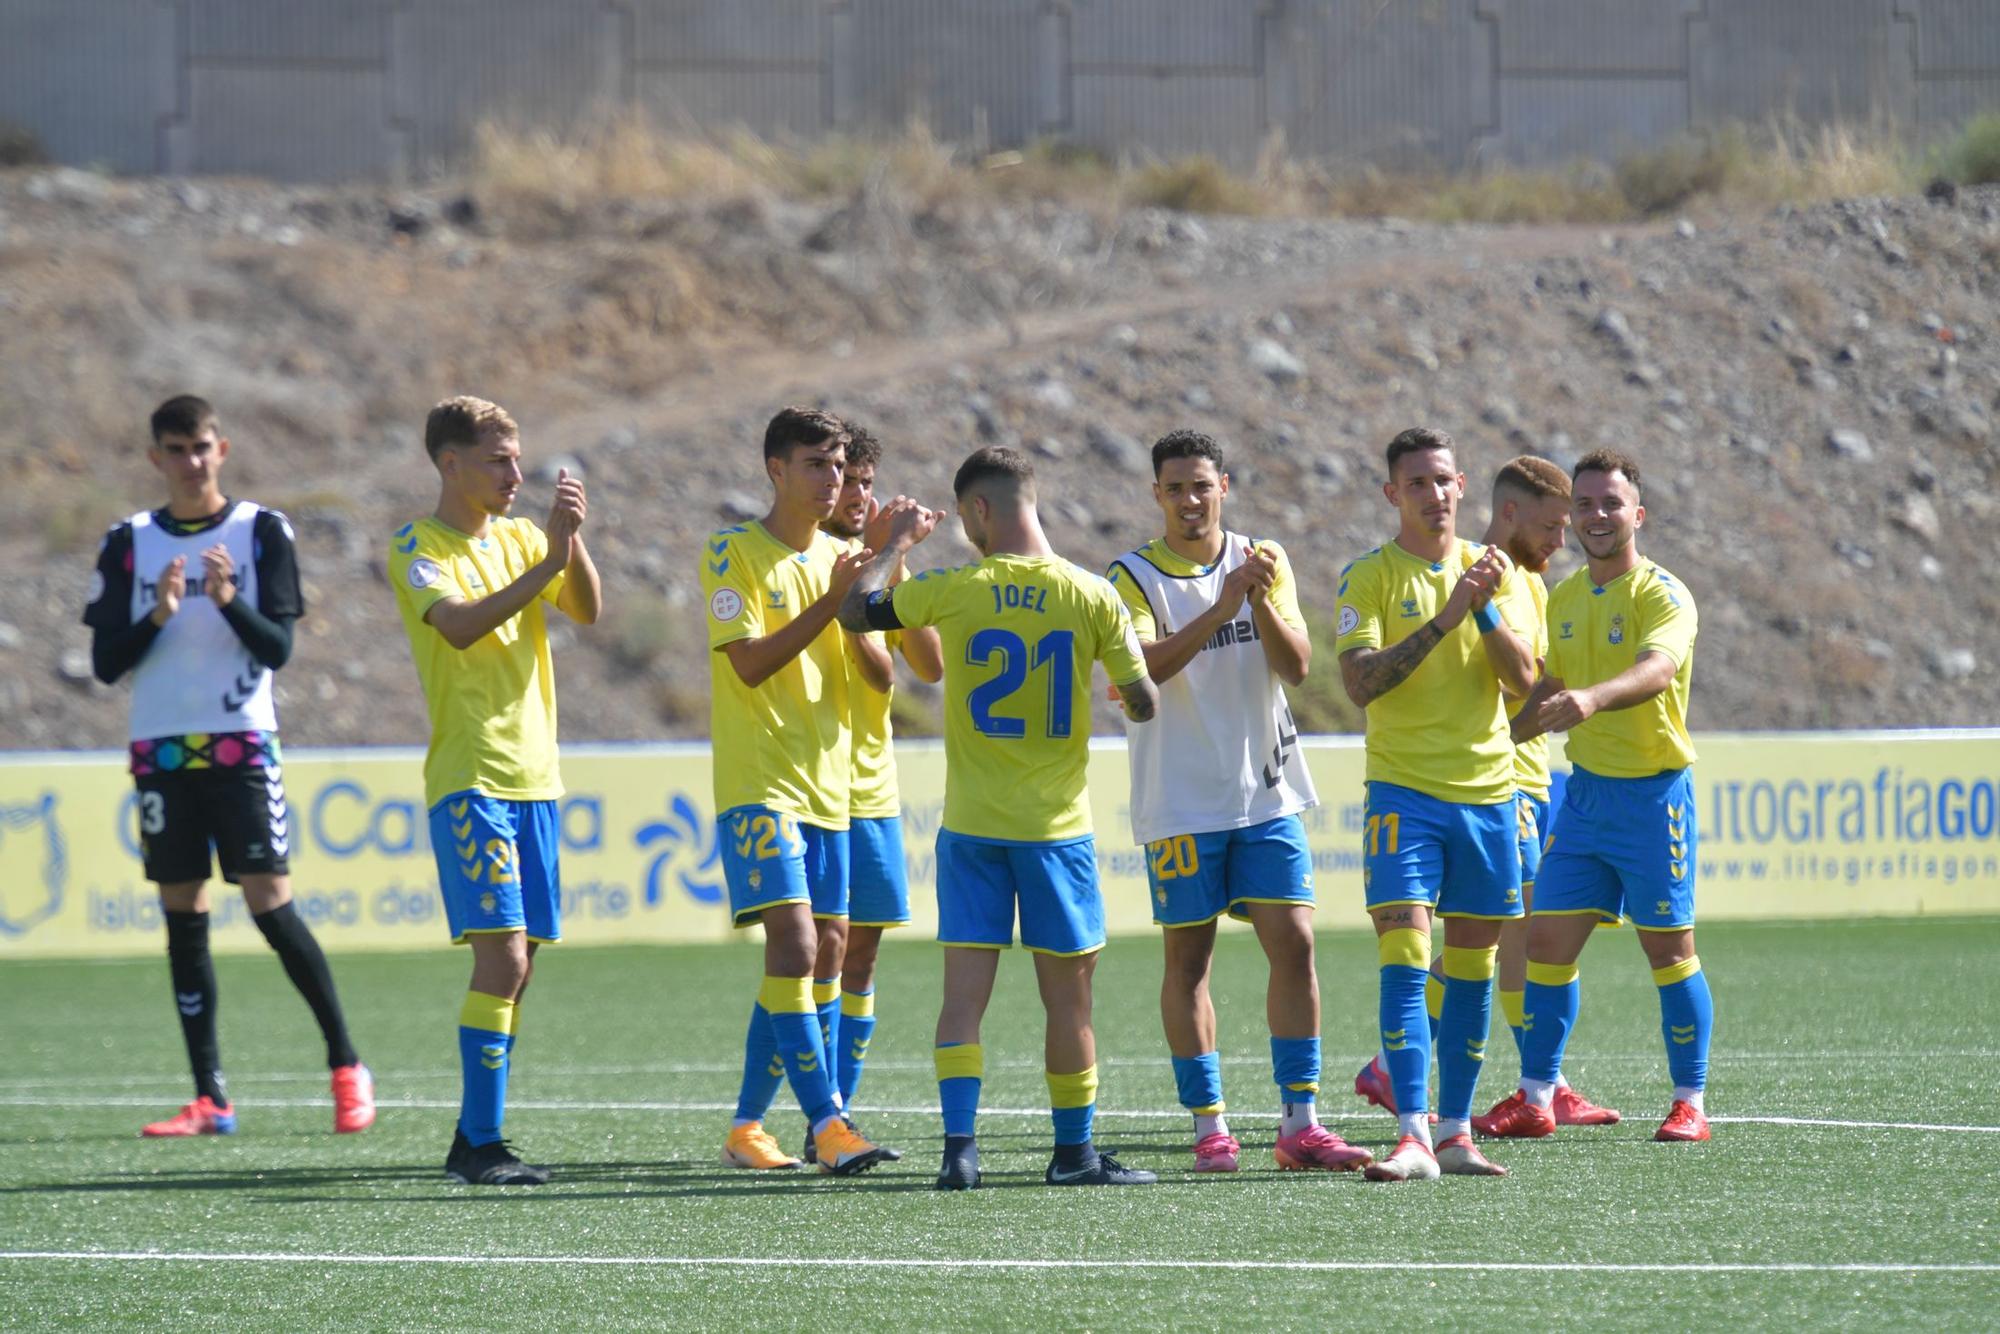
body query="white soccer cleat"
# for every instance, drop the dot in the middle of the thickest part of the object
(1412, 1161)
(1460, 1157)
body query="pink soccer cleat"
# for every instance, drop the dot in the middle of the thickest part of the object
(353, 1099)
(1216, 1153)
(1573, 1109)
(1318, 1149)
(1684, 1125)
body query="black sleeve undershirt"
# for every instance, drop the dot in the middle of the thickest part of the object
(881, 608)
(116, 642)
(266, 629)
(269, 638)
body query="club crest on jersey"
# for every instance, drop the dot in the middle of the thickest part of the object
(424, 573)
(726, 604)
(1617, 635)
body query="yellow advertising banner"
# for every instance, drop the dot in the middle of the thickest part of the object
(1789, 825)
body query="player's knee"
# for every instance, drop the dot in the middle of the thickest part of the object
(266, 893)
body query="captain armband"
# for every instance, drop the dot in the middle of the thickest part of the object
(880, 608)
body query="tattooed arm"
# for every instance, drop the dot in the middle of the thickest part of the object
(1370, 673)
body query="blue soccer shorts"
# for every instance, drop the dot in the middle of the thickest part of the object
(981, 882)
(1623, 847)
(1533, 816)
(1456, 859)
(770, 857)
(496, 865)
(878, 882)
(1196, 878)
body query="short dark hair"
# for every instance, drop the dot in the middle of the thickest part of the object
(793, 427)
(1530, 475)
(1609, 461)
(459, 420)
(994, 463)
(1415, 440)
(863, 449)
(1186, 445)
(184, 414)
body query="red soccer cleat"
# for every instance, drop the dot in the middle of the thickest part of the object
(1685, 1124)
(1573, 1109)
(1514, 1117)
(203, 1117)
(353, 1099)
(1373, 1084)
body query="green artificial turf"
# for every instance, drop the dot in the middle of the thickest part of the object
(627, 1065)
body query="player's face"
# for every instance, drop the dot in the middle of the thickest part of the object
(972, 516)
(1426, 489)
(486, 474)
(857, 488)
(807, 478)
(1607, 511)
(1539, 525)
(190, 463)
(1190, 493)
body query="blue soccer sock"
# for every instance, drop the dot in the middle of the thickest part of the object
(1687, 1019)
(1434, 997)
(763, 1072)
(1073, 1105)
(1406, 1049)
(485, 1026)
(795, 1027)
(1467, 1017)
(826, 1004)
(1511, 1007)
(1548, 1012)
(1295, 1067)
(1198, 1080)
(857, 1030)
(960, 1068)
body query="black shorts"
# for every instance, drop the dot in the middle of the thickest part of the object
(240, 810)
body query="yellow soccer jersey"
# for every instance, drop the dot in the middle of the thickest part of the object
(787, 743)
(1443, 731)
(1020, 634)
(492, 706)
(1284, 593)
(874, 795)
(1526, 612)
(1596, 633)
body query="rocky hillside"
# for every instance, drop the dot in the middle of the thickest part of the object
(1812, 394)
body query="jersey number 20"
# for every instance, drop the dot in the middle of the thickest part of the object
(1054, 650)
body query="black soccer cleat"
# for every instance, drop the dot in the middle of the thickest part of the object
(961, 1164)
(492, 1164)
(1101, 1170)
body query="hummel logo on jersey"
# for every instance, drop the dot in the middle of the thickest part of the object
(189, 1002)
(777, 599)
(1565, 631)
(1409, 608)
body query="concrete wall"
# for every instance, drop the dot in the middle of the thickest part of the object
(330, 89)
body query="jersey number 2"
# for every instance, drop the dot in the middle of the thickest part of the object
(1053, 650)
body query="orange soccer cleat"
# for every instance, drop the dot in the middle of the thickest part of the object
(1514, 1117)
(1573, 1109)
(202, 1117)
(1685, 1124)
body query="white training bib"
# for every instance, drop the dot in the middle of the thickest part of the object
(197, 676)
(1223, 752)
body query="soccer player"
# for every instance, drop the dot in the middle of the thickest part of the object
(780, 718)
(471, 584)
(197, 600)
(1530, 517)
(878, 888)
(1020, 629)
(1217, 786)
(1424, 650)
(1621, 654)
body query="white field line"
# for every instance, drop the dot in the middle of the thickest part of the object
(1336, 1062)
(928, 1263)
(1144, 1113)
